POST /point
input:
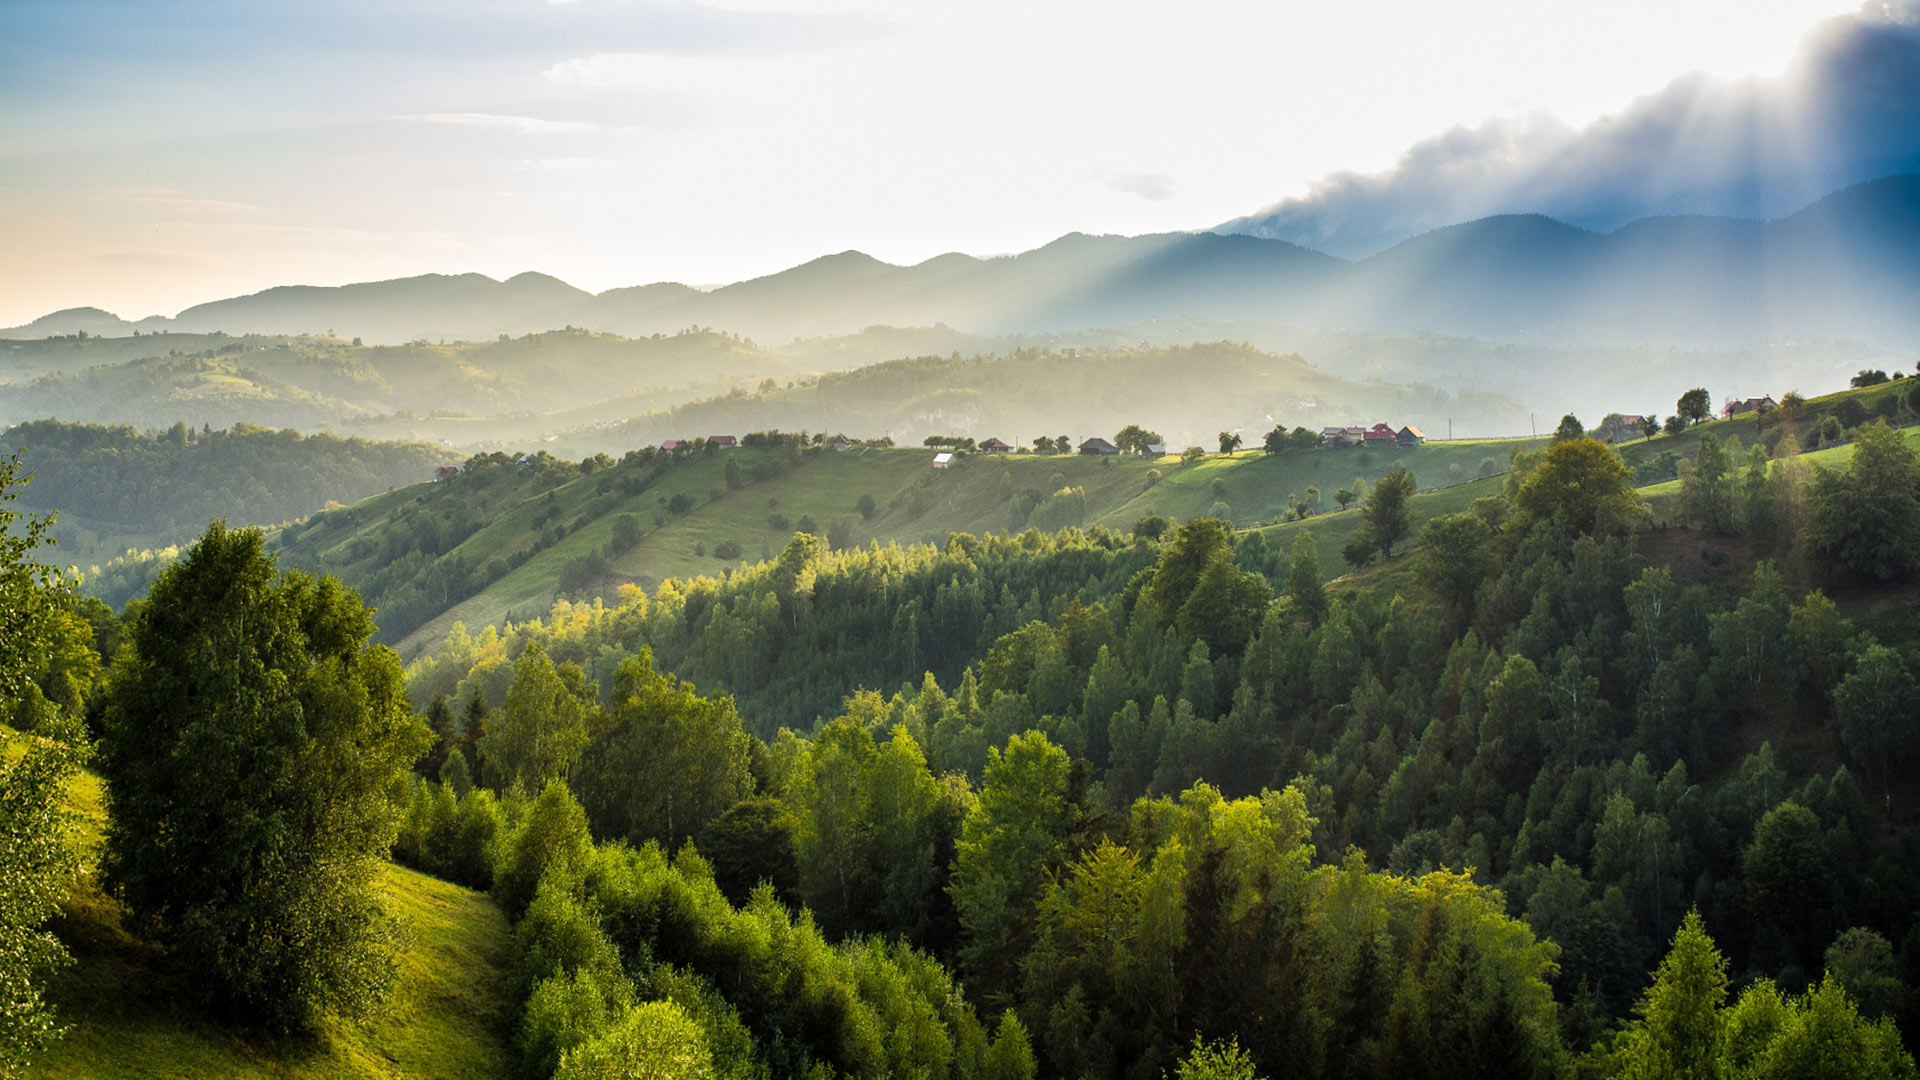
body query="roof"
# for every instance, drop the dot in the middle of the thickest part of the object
(1100, 444)
(1413, 431)
(1157, 449)
(670, 444)
(995, 444)
(722, 439)
(942, 459)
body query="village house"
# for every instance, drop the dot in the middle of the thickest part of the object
(942, 460)
(670, 445)
(1379, 434)
(1734, 408)
(445, 472)
(841, 444)
(995, 446)
(1098, 445)
(722, 442)
(1155, 450)
(1410, 436)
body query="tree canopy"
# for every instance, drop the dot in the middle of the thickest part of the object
(250, 739)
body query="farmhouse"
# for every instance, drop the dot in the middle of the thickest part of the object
(995, 446)
(1379, 434)
(445, 472)
(1746, 405)
(670, 445)
(722, 442)
(1410, 436)
(1098, 445)
(942, 460)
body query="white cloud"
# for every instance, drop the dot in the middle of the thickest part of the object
(526, 125)
(1153, 187)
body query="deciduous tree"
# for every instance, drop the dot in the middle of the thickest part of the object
(250, 740)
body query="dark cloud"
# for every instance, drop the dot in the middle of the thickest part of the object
(1846, 110)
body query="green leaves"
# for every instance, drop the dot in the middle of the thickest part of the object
(1017, 833)
(38, 857)
(251, 738)
(543, 727)
(668, 761)
(1868, 518)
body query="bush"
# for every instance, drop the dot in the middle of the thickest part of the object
(727, 550)
(626, 533)
(564, 1013)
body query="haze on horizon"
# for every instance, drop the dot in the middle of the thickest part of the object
(161, 154)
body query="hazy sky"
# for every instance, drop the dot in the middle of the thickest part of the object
(156, 154)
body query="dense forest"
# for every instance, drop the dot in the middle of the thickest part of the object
(117, 487)
(1551, 786)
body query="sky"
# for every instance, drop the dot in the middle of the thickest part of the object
(156, 154)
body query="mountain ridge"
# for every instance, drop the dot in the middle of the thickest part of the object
(1845, 267)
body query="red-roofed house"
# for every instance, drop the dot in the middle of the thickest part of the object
(724, 442)
(1379, 433)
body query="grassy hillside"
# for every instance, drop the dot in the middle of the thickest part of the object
(503, 541)
(133, 1015)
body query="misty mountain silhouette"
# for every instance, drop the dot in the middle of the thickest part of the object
(1846, 267)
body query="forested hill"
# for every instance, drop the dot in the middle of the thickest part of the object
(1569, 778)
(1189, 791)
(115, 487)
(324, 382)
(506, 537)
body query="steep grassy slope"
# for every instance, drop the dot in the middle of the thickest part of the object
(134, 1015)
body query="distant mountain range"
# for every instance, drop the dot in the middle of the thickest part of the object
(1845, 268)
